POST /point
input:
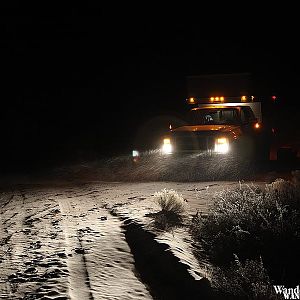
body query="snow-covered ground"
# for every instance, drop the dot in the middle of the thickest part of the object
(69, 241)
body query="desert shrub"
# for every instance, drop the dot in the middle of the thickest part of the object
(248, 280)
(252, 222)
(173, 207)
(170, 201)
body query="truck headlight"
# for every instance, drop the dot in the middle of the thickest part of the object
(221, 145)
(167, 147)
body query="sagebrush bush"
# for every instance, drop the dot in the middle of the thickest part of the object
(170, 201)
(251, 221)
(248, 280)
(172, 207)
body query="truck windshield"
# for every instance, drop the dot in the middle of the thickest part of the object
(214, 116)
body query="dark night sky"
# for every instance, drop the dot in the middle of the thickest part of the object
(79, 81)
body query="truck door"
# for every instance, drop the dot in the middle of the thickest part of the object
(248, 120)
(258, 133)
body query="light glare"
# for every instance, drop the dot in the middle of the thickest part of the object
(135, 153)
(167, 149)
(221, 145)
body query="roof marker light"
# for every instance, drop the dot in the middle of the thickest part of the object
(191, 100)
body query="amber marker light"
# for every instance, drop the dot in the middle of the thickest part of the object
(256, 125)
(191, 100)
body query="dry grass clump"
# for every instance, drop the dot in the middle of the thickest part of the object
(170, 201)
(172, 209)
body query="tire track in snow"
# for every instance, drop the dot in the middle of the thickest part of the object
(34, 266)
(99, 259)
(78, 273)
(7, 201)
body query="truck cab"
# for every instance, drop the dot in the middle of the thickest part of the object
(220, 126)
(224, 118)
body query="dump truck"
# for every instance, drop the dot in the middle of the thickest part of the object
(225, 117)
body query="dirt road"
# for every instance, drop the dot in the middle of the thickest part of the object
(62, 241)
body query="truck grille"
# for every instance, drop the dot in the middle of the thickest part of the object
(193, 141)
